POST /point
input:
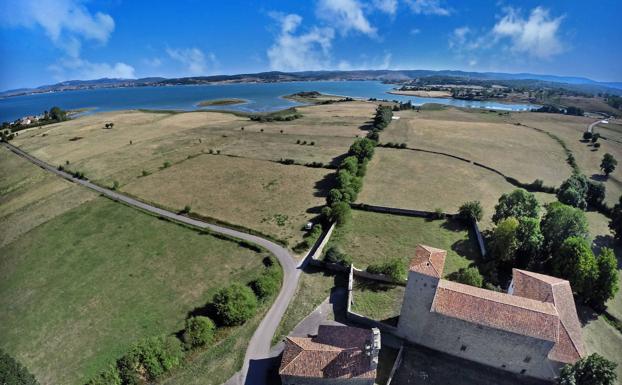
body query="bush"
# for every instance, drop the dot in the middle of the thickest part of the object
(587, 135)
(199, 331)
(115, 185)
(234, 305)
(469, 276)
(186, 210)
(266, 285)
(151, 358)
(591, 370)
(340, 213)
(166, 164)
(14, 373)
(146, 173)
(108, 376)
(395, 268)
(334, 255)
(471, 211)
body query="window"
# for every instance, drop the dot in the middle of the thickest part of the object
(463, 348)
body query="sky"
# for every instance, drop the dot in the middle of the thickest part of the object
(46, 41)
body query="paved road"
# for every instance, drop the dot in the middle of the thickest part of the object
(259, 346)
(590, 128)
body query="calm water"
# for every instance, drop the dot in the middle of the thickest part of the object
(260, 97)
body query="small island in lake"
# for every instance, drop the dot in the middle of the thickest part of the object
(221, 102)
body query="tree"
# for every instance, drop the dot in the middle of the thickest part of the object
(595, 194)
(595, 137)
(265, 286)
(530, 240)
(469, 276)
(234, 304)
(395, 268)
(57, 114)
(199, 331)
(608, 164)
(504, 243)
(587, 135)
(362, 148)
(350, 164)
(334, 196)
(606, 286)
(519, 203)
(151, 357)
(616, 220)
(340, 213)
(575, 262)
(573, 191)
(561, 222)
(14, 373)
(471, 211)
(591, 370)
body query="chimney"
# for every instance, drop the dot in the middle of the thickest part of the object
(372, 348)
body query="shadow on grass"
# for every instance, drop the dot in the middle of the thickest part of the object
(599, 177)
(323, 186)
(375, 286)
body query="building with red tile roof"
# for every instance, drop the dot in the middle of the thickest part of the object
(532, 330)
(337, 355)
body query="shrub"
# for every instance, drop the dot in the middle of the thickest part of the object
(395, 268)
(14, 373)
(438, 213)
(186, 210)
(115, 185)
(150, 358)
(265, 286)
(108, 376)
(199, 331)
(312, 144)
(471, 211)
(591, 370)
(595, 137)
(234, 305)
(298, 141)
(166, 164)
(469, 276)
(146, 173)
(587, 135)
(596, 145)
(334, 255)
(608, 164)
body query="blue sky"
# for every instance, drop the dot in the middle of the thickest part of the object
(45, 41)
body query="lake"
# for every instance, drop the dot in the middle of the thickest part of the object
(260, 96)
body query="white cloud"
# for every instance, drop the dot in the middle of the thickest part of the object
(415, 31)
(66, 22)
(386, 6)
(428, 7)
(346, 15)
(364, 63)
(153, 62)
(536, 36)
(193, 59)
(76, 68)
(305, 51)
(458, 37)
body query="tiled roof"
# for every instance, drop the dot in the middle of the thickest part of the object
(570, 346)
(429, 261)
(336, 352)
(497, 310)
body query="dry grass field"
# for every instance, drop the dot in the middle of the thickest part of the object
(423, 181)
(570, 129)
(30, 196)
(264, 196)
(484, 137)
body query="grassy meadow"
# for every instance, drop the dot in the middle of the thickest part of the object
(265, 196)
(423, 181)
(484, 137)
(376, 238)
(93, 280)
(376, 300)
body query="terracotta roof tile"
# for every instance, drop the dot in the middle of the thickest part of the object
(429, 261)
(570, 346)
(497, 310)
(336, 352)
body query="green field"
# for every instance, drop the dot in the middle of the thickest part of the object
(76, 291)
(376, 300)
(375, 238)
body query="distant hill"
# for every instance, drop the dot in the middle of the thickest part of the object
(579, 84)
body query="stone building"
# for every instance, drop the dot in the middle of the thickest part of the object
(532, 330)
(337, 355)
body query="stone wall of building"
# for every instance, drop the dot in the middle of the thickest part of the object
(505, 350)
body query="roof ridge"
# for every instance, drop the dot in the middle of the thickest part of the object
(505, 303)
(282, 369)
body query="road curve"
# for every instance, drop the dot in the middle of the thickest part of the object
(259, 345)
(590, 128)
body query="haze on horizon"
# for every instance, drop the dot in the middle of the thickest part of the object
(47, 41)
